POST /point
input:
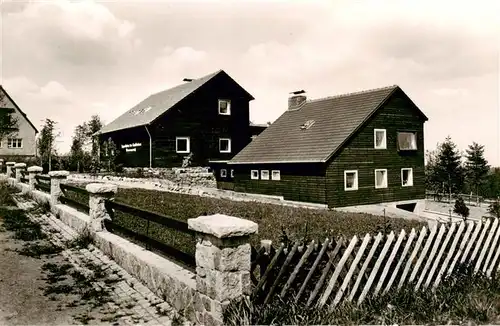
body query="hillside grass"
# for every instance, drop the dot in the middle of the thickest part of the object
(276, 222)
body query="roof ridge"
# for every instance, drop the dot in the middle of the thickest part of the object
(352, 93)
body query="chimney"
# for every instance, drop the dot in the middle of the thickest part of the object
(296, 100)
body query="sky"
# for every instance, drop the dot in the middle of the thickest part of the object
(68, 60)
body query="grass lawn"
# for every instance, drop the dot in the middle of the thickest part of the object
(273, 220)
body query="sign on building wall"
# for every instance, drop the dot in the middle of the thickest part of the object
(131, 147)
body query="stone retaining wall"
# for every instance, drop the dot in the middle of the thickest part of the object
(167, 185)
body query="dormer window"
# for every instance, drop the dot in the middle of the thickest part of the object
(308, 124)
(225, 107)
(407, 141)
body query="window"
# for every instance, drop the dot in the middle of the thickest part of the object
(232, 173)
(407, 177)
(224, 107)
(264, 174)
(14, 143)
(380, 138)
(254, 174)
(407, 141)
(182, 145)
(276, 175)
(351, 180)
(381, 178)
(225, 145)
(223, 173)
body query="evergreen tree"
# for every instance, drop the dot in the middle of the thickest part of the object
(476, 167)
(448, 170)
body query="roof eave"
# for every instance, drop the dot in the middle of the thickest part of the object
(278, 162)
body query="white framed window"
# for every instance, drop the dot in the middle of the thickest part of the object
(407, 177)
(232, 173)
(407, 141)
(225, 145)
(264, 174)
(275, 175)
(223, 173)
(225, 107)
(254, 174)
(14, 143)
(182, 145)
(380, 178)
(351, 180)
(380, 138)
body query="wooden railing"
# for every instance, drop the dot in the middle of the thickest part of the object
(81, 204)
(354, 269)
(154, 232)
(42, 183)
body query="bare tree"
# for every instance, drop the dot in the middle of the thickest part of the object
(8, 122)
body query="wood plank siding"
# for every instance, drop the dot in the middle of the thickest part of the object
(359, 154)
(197, 117)
(324, 182)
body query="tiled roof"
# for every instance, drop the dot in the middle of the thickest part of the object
(156, 105)
(329, 122)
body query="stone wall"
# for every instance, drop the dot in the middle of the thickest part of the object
(170, 186)
(223, 255)
(190, 177)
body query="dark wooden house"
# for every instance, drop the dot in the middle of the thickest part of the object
(353, 149)
(205, 118)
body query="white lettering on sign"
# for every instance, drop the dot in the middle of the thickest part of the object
(130, 149)
(131, 145)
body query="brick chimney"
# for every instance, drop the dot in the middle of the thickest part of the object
(296, 100)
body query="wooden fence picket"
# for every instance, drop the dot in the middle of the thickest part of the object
(423, 254)
(451, 230)
(464, 242)
(337, 271)
(450, 254)
(486, 245)
(374, 269)
(401, 260)
(361, 274)
(354, 264)
(477, 230)
(414, 253)
(434, 249)
(388, 264)
(479, 241)
(492, 250)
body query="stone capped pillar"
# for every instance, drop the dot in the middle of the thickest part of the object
(223, 260)
(10, 168)
(98, 194)
(33, 171)
(56, 178)
(19, 167)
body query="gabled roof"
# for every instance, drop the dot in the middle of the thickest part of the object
(18, 108)
(157, 104)
(327, 124)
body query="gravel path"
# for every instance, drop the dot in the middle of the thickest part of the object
(93, 290)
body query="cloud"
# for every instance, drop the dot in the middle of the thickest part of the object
(82, 33)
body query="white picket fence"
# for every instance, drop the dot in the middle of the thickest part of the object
(377, 265)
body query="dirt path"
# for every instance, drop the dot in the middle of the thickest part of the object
(50, 275)
(22, 300)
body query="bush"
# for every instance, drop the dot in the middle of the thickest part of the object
(461, 297)
(494, 209)
(460, 208)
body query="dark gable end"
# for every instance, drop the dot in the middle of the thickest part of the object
(18, 108)
(154, 106)
(316, 131)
